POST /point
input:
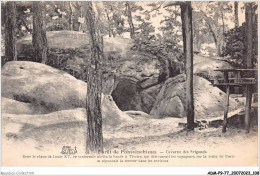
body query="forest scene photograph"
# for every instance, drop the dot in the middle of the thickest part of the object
(132, 83)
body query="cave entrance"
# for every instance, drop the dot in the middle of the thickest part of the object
(126, 95)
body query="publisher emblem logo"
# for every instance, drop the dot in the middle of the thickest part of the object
(68, 150)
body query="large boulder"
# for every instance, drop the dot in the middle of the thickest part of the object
(69, 50)
(34, 88)
(209, 101)
(46, 88)
(205, 66)
(111, 114)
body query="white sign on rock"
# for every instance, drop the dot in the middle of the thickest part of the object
(81, 20)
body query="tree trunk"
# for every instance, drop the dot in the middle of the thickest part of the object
(130, 20)
(216, 41)
(249, 34)
(223, 31)
(25, 25)
(186, 16)
(198, 45)
(94, 80)
(109, 24)
(183, 34)
(81, 15)
(249, 52)
(227, 104)
(10, 32)
(218, 48)
(236, 13)
(70, 16)
(39, 38)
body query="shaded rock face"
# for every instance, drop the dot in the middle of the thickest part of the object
(125, 95)
(209, 101)
(130, 95)
(136, 85)
(140, 68)
(69, 50)
(66, 51)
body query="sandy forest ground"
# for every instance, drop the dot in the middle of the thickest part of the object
(159, 135)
